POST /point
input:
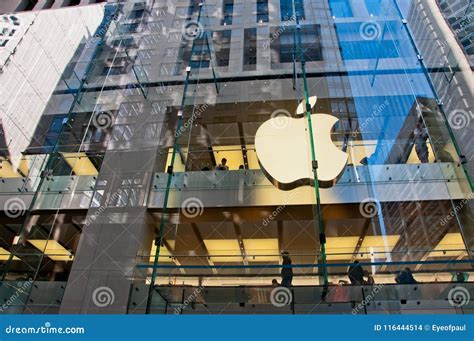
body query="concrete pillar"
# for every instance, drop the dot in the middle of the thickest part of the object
(119, 227)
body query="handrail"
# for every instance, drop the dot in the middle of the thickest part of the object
(322, 265)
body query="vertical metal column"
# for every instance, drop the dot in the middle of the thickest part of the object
(317, 209)
(173, 156)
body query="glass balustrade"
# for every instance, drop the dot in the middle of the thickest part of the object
(421, 298)
(377, 299)
(32, 297)
(189, 176)
(21, 175)
(227, 288)
(191, 283)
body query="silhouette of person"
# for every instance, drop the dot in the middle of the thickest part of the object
(368, 160)
(405, 277)
(421, 135)
(460, 277)
(222, 165)
(356, 273)
(287, 270)
(370, 280)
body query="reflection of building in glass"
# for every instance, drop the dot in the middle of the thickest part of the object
(37, 49)
(460, 16)
(449, 67)
(133, 209)
(7, 6)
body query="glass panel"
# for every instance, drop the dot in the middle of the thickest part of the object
(213, 162)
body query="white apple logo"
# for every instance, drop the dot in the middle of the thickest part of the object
(284, 151)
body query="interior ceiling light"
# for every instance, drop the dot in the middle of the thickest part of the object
(52, 249)
(5, 255)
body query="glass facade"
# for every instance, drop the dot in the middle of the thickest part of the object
(188, 153)
(460, 16)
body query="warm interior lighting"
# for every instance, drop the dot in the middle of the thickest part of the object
(359, 151)
(340, 248)
(451, 241)
(165, 254)
(52, 249)
(6, 169)
(252, 157)
(267, 249)
(233, 154)
(219, 248)
(80, 163)
(413, 158)
(24, 166)
(5, 255)
(378, 245)
(179, 159)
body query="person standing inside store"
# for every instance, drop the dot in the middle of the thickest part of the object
(421, 135)
(405, 277)
(356, 273)
(287, 270)
(222, 165)
(370, 280)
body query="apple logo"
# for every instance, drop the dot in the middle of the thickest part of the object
(284, 151)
